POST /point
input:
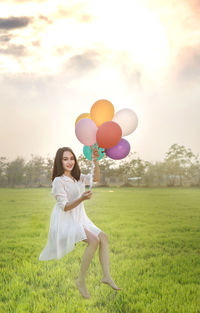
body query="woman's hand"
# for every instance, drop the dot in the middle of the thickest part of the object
(95, 154)
(86, 195)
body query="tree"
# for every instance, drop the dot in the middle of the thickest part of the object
(154, 174)
(106, 169)
(131, 167)
(35, 171)
(177, 161)
(193, 173)
(48, 169)
(3, 171)
(84, 164)
(15, 172)
(138, 167)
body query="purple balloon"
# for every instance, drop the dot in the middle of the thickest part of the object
(120, 151)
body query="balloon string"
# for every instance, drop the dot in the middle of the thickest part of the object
(91, 175)
(95, 146)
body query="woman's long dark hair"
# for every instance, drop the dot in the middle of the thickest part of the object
(58, 167)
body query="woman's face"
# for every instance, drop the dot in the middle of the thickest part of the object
(68, 161)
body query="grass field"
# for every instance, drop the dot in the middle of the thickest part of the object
(154, 242)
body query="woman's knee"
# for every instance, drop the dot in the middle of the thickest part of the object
(103, 237)
(95, 241)
(92, 240)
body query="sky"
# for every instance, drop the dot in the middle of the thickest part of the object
(59, 57)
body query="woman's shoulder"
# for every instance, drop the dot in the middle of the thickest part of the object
(58, 186)
(57, 180)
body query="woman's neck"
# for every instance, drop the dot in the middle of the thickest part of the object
(67, 173)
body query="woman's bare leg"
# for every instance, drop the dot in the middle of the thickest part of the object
(89, 252)
(104, 260)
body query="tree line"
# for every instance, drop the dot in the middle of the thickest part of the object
(180, 167)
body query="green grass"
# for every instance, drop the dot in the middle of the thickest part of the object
(154, 242)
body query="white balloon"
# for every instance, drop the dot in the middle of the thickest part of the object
(127, 120)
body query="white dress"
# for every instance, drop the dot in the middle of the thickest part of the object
(66, 227)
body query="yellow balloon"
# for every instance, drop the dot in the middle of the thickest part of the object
(102, 111)
(83, 115)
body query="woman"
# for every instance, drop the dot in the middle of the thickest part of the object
(69, 222)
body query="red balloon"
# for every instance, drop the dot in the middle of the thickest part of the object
(108, 135)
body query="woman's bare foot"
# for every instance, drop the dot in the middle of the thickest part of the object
(110, 282)
(82, 288)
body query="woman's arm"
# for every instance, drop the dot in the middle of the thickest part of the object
(60, 194)
(96, 176)
(71, 205)
(95, 156)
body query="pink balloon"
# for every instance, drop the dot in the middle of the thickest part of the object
(85, 131)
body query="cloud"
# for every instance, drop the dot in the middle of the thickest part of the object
(134, 77)
(168, 115)
(77, 12)
(188, 64)
(14, 22)
(195, 4)
(85, 18)
(15, 50)
(23, 1)
(132, 74)
(46, 19)
(87, 61)
(5, 38)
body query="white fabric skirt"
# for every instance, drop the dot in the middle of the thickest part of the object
(66, 229)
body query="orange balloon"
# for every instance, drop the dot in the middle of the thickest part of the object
(102, 111)
(83, 115)
(108, 135)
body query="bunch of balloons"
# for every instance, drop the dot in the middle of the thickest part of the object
(103, 128)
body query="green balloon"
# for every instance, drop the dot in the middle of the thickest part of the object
(87, 151)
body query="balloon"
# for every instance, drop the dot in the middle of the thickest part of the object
(102, 111)
(127, 120)
(86, 131)
(120, 151)
(108, 134)
(87, 151)
(83, 115)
